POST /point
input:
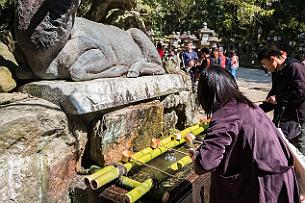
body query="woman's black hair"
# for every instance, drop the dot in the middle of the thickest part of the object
(216, 87)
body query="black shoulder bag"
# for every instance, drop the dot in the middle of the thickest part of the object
(291, 129)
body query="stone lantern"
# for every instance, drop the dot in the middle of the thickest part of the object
(207, 37)
(187, 36)
(174, 39)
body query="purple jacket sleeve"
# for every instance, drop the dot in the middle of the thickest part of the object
(211, 152)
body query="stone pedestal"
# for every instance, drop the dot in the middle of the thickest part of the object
(125, 112)
(129, 128)
(102, 94)
(37, 151)
(120, 114)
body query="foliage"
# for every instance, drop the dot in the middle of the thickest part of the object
(236, 21)
(227, 17)
(248, 22)
(3, 3)
(289, 22)
(6, 14)
(84, 8)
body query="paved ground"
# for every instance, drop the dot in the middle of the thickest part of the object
(254, 84)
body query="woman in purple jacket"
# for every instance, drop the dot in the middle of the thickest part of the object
(243, 150)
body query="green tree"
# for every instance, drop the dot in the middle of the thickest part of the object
(6, 14)
(230, 18)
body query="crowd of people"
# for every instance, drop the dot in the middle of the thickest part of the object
(243, 148)
(193, 62)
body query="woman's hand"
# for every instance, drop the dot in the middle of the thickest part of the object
(196, 165)
(193, 153)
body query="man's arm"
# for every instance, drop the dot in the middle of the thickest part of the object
(266, 107)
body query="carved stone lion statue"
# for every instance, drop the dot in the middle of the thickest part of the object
(59, 45)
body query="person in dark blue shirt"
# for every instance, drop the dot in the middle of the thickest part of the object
(190, 60)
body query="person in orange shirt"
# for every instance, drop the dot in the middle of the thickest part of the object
(160, 50)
